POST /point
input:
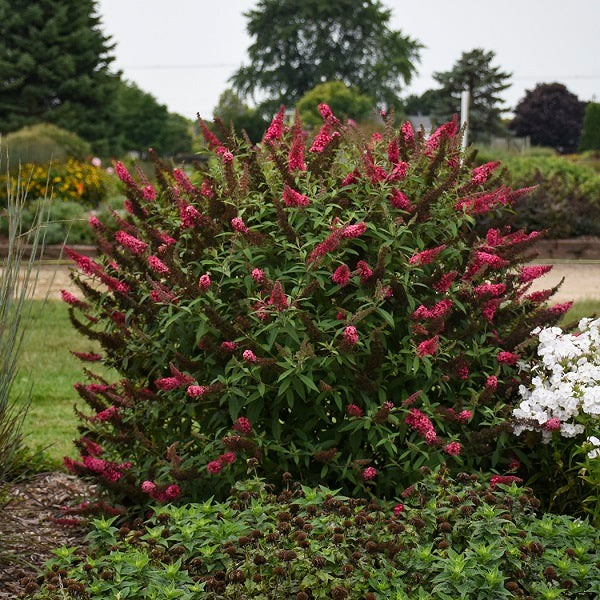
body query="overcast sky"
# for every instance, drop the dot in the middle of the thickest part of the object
(184, 51)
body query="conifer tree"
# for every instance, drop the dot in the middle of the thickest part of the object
(54, 62)
(473, 72)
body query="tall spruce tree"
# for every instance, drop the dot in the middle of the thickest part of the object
(298, 45)
(473, 72)
(54, 62)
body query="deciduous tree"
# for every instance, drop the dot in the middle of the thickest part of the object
(551, 115)
(298, 45)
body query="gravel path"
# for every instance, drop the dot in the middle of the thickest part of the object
(582, 281)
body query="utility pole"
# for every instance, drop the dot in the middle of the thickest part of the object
(465, 98)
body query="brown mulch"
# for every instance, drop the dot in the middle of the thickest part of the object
(27, 532)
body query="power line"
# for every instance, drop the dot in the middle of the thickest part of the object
(167, 67)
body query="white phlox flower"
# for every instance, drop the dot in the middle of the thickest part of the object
(565, 382)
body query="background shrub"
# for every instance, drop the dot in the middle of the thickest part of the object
(71, 180)
(43, 143)
(347, 102)
(590, 137)
(329, 313)
(463, 539)
(566, 198)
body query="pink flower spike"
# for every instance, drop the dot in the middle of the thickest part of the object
(552, 424)
(351, 178)
(394, 151)
(327, 113)
(131, 243)
(95, 223)
(354, 411)
(209, 137)
(149, 193)
(182, 180)
(491, 382)
(195, 391)
(559, 309)
(229, 346)
(490, 259)
(426, 256)
(158, 265)
(341, 275)
(123, 174)
(351, 335)
(481, 174)
(507, 358)
(189, 215)
(258, 275)
(504, 480)
(399, 200)
(204, 282)
(278, 297)
(214, 466)
(452, 449)
(292, 198)
(168, 383)
(227, 458)
(464, 416)
(249, 356)
(172, 491)
(399, 508)
(528, 274)
(428, 347)
(323, 138)
(296, 155)
(275, 130)
(70, 298)
(445, 282)
(353, 231)
(369, 473)
(148, 487)
(398, 172)
(243, 425)
(407, 132)
(365, 271)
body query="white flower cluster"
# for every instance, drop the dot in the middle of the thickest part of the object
(594, 441)
(565, 382)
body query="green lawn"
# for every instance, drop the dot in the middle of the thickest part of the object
(47, 367)
(49, 370)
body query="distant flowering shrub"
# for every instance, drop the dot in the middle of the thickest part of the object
(69, 180)
(321, 307)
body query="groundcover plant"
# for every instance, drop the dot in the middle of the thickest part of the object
(465, 538)
(322, 307)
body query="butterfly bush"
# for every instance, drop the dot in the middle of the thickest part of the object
(318, 307)
(564, 393)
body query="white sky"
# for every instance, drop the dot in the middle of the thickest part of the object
(184, 51)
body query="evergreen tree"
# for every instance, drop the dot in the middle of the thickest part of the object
(298, 45)
(54, 62)
(473, 72)
(551, 116)
(590, 137)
